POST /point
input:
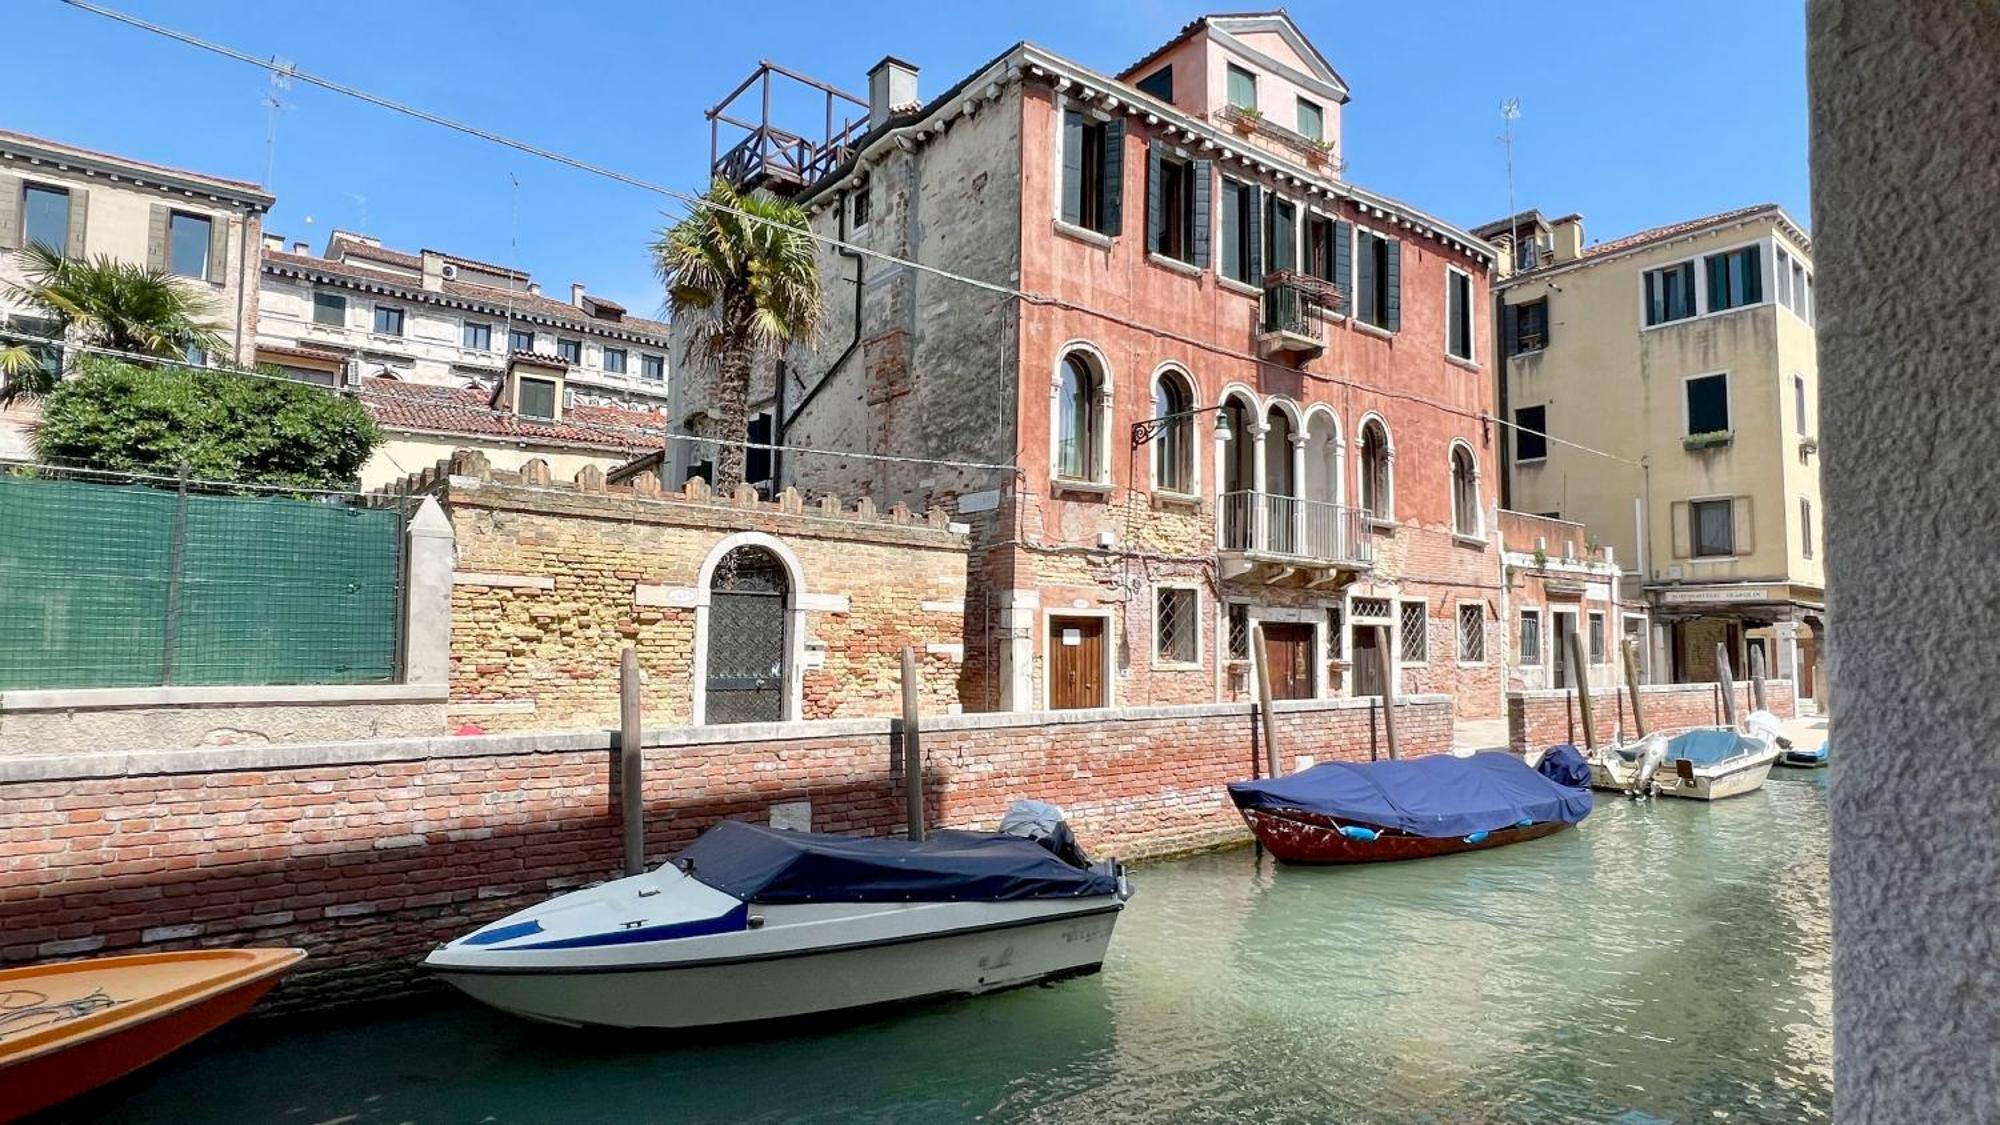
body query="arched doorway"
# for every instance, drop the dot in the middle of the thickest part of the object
(749, 599)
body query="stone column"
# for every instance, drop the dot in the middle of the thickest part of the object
(1298, 440)
(1259, 482)
(432, 551)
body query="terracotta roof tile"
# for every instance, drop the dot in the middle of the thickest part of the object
(433, 408)
(223, 181)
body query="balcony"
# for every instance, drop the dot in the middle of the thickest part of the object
(1275, 539)
(1290, 320)
(768, 156)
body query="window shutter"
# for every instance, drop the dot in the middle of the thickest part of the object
(1742, 540)
(1253, 222)
(1114, 176)
(1072, 167)
(1156, 220)
(1203, 186)
(1683, 529)
(218, 248)
(79, 208)
(1392, 302)
(10, 213)
(1544, 322)
(1343, 265)
(156, 238)
(1513, 329)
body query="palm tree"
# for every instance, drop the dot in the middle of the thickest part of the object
(743, 270)
(103, 303)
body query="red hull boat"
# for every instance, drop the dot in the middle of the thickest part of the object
(1302, 837)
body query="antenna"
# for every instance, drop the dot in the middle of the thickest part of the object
(361, 201)
(513, 256)
(1510, 111)
(281, 80)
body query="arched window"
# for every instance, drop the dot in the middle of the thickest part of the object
(1173, 449)
(1464, 491)
(1377, 486)
(1077, 437)
(748, 640)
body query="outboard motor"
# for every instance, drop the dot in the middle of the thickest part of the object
(1770, 728)
(1045, 825)
(1652, 754)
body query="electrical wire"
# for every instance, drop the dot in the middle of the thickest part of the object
(696, 201)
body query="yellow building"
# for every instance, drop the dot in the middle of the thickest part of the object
(1682, 361)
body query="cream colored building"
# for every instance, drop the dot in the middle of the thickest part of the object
(1683, 358)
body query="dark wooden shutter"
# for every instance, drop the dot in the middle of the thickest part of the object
(1253, 223)
(1203, 186)
(1343, 265)
(79, 213)
(10, 213)
(1513, 329)
(1113, 176)
(156, 237)
(1392, 300)
(1156, 219)
(1072, 167)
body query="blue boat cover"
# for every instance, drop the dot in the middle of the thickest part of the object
(775, 866)
(1437, 796)
(1707, 747)
(1564, 765)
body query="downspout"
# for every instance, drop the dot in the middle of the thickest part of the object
(1503, 361)
(852, 345)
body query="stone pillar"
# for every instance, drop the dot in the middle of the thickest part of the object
(1298, 544)
(1259, 482)
(1017, 621)
(1906, 125)
(432, 551)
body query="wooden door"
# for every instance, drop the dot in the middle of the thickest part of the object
(1367, 666)
(1565, 623)
(1288, 652)
(1076, 663)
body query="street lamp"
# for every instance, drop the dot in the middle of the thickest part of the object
(1146, 429)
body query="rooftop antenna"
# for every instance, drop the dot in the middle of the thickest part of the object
(361, 201)
(281, 80)
(1510, 111)
(513, 255)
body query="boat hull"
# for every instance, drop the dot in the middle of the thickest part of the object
(62, 1060)
(1302, 837)
(1708, 784)
(800, 982)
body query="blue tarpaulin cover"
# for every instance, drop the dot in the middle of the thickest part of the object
(1437, 795)
(774, 866)
(1707, 747)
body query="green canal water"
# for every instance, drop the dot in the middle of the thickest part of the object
(1664, 962)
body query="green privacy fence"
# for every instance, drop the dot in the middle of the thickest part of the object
(117, 582)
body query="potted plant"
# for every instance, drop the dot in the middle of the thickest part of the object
(1318, 153)
(1246, 119)
(1713, 439)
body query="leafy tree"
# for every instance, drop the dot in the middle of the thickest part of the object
(103, 303)
(223, 425)
(742, 269)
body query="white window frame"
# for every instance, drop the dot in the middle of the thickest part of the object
(1111, 641)
(402, 320)
(1100, 469)
(1541, 636)
(1195, 408)
(1399, 601)
(1458, 631)
(1256, 92)
(1361, 466)
(1064, 104)
(1471, 316)
(1728, 401)
(1700, 259)
(1478, 529)
(1801, 413)
(795, 623)
(1596, 618)
(1194, 622)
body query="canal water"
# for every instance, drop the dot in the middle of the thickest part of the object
(1664, 962)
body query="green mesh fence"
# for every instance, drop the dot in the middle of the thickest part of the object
(107, 583)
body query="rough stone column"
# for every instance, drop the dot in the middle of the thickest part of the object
(427, 596)
(1905, 101)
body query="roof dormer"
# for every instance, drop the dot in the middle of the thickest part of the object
(533, 387)
(1256, 74)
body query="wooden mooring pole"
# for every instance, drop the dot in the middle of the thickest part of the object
(1388, 661)
(1728, 682)
(1260, 662)
(631, 783)
(1631, 654)
(1757, 679)
(1581, 671)
(913, 754)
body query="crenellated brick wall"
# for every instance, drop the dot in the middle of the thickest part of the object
(367, 854)
(1538, 719)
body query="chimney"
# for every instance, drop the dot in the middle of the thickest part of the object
(274, 242)
(576, 293)
(304, 249)
(1568, 235)
(534, 289)
(433, 270)
(891, 84)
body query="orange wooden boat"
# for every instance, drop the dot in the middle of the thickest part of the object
(72, 1027)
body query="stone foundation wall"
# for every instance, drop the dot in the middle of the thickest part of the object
(1538, 719)
(367, 854)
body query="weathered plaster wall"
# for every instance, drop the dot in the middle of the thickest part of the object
(1906, 115)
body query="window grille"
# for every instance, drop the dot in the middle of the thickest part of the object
(1416, 641)
(1372, 607)
(1239, 632)
(1174, 621)
(1472, 633)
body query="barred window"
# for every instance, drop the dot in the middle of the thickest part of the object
(1175, 628)
(1371, 607)
(1531, 637)
(1333, 636)
(1472, 633)
(1239, 632)
(1416, 640)
(1597, 638)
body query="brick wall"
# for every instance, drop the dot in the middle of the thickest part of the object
(1537, 719)
(367, 854)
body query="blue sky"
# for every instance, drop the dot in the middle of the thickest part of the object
(1634, 115)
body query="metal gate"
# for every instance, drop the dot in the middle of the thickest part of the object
(747, 604)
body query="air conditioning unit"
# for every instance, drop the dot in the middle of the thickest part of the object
(449, 271)
(350, 375)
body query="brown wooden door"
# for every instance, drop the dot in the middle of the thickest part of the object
(1367, 666)
(1288, 649)
(1076, 663)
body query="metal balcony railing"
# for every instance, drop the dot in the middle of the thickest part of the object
(1293, 304)
(1315, 531)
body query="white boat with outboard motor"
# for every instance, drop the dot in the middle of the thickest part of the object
(752, 923)
(1703, 763)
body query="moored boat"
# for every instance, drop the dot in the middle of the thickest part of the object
(1366, 812)
(751, 923)
(1800, 757)
(1703, 763)
(70, 1027)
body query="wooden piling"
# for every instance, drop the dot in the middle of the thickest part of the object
(1757, 698)
(913, 755)
(1260, 664)
(1388, 660)
(1631, 653)
(631, 782)
(1581, 671)
(1728, 682)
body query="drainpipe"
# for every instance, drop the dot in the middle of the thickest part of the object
(1503, 362)
(852, 345)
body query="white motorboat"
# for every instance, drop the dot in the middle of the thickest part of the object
(1703, 763)
(753, 923)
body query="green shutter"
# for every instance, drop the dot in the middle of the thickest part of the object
(1231, 263)
(1253, 211)
(1343, 265)
(1156, 219)
(218, 247)
(10, 213)
(79, 209)
(1392, 289)
(1513, 329)
(1203, 187)
(156, 237)
(1753, 274)
(1113, 176)
(1072, 167)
